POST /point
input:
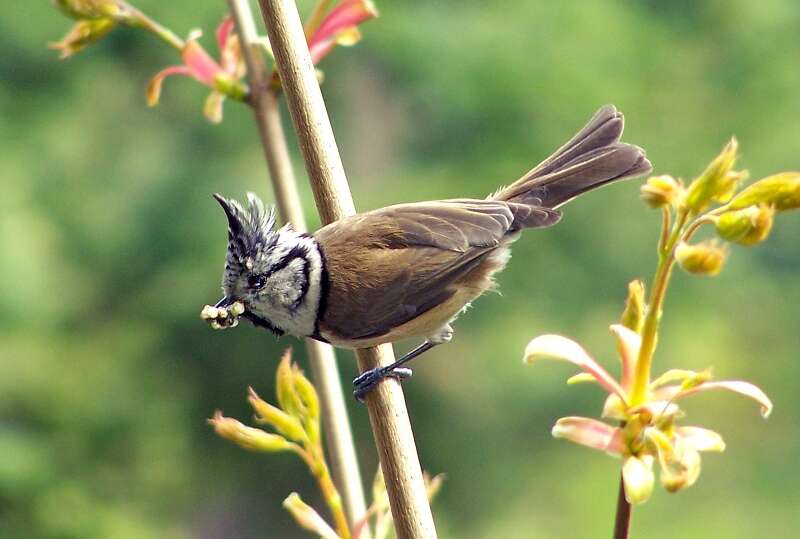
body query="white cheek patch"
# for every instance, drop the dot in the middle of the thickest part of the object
(290, 298)
(286, 287)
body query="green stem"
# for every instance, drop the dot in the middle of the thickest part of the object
(330, 493)
(314, 458)
(666, 222)
(666, 261)
(696, 224)
(140, 20)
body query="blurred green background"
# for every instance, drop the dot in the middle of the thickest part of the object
(110, 244)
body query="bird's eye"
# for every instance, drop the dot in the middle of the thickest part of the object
(257, 281)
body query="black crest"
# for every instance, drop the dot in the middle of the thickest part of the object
(249, 229)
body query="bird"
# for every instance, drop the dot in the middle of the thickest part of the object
(406, 270)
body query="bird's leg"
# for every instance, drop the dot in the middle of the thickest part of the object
(367, 380)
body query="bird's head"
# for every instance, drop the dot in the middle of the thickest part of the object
(272, 272)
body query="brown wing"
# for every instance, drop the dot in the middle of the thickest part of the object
(390, 265)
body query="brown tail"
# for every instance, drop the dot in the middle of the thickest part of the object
(594, 157)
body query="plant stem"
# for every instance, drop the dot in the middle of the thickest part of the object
(139, 19)
(324, 371)
(666, 222)
(386, 405)
(331, 495)
(666, 261)
(315, 461)
(622, 523)
(696, 224)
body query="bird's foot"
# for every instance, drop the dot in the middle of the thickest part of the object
(367, 380)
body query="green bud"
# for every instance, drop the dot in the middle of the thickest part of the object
(706, 258)
(718, 182)
(307, 517)
(747, 226)
(782, 191)
(638, 478)
(82, 34)
(90, 9)
(634, 313)
(277, 418)
(230, 86)
(310, 401)
(285, 387)
(660, 191)
(248, 437)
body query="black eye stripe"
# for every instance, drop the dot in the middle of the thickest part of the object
(296, 252)
(258, 280)
(304, 285)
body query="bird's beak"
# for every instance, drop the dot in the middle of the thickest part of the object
(226, 301)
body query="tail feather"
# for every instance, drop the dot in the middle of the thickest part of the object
(592, 158)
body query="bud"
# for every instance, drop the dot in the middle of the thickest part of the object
(747, 226)
(272, 415)
(307, 517)
(81, 35)
(680, 468)
(432, 484)
(638, 477)
(706, 258)
(718, 182)
(660, 191)
(248, 437)
(634, 313)
(310, 402)
(90, 9)
(288, 399)
(95, 19)
(729, 184)
(782, 191)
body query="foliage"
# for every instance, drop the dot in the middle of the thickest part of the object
(296, 422)
(647, 409)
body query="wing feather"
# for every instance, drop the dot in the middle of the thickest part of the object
(396, 263)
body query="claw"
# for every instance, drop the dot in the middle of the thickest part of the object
(367, 380)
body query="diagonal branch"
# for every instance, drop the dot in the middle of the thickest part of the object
(324, 371)
(387, 410)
